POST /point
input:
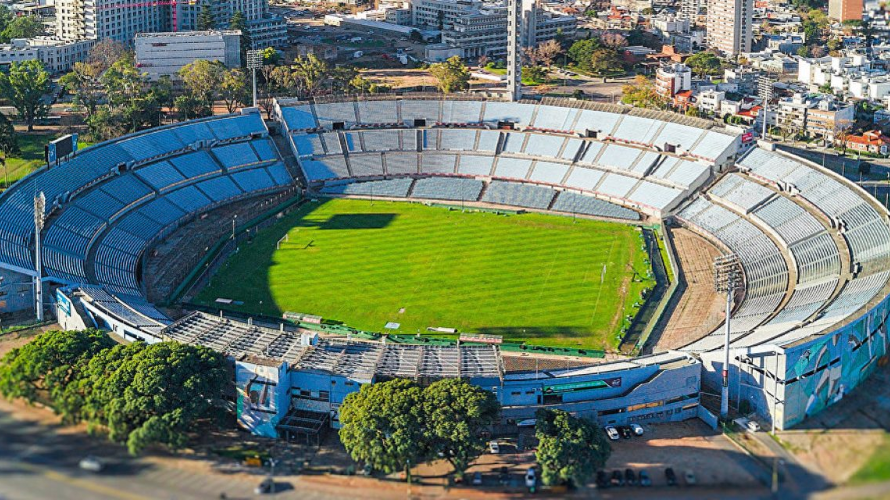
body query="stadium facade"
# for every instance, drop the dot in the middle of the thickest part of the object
(808, 325)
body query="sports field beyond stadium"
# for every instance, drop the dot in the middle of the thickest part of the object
(532, 277)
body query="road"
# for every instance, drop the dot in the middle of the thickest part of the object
(37, 462)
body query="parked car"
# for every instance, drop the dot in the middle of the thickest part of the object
(530, 478)
(602, 479)
(265, 487)
(752, 426)
(629, 477)
(91, 464)
(625, 432)
(645, 480)
(477, 479)
(494, 447)
(670, 477)
(689, 476)
(617, 478)
(612, 432)
(637, 428)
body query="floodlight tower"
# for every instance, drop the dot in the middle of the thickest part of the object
(727, 278)
(254, 62)
(39, 219)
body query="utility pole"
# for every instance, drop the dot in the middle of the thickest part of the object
(727, 278)
(39, 219)
(254, 62)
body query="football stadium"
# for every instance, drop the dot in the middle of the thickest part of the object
(558, 253)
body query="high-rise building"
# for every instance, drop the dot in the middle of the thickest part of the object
(164, 54)
(121, 20)
(729, 25)
(845, 10)
(118, 20)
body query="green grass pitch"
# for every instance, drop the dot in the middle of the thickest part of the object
(529, 277)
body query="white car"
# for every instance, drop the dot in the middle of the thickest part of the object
(91, 464)
(752, 426)
(530, 478)
(493, 447)
(612, 433)
(637, 428)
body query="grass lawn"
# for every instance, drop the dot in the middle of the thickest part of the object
(877, 468)
(528, 277)
(30, 156)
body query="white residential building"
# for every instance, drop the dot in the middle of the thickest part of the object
(671, 79)
(56, 55)
(729, 26)
(160, 54)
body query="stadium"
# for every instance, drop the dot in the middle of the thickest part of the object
(168, 233)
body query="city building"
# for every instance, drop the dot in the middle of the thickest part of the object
(121, 20)
(118, 20)
(845, 10)
(672, 79)
(56, 55)
(482, 30)
(870, 142)
(814, 115)
(160, 54)
(729, 26)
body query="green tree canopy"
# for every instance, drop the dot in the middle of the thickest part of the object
(451, 75)
(570, 449)
(234, 89)
(382, 425)
(239, 22)
(309, 73)
(24, 86)
(704, 63)
(21, 27)
(582, 51)
(83, 82)
(206, 19)
(605, 63)
(202, 79)
(154, 394)
(455, 413)
(9, 143)
(41, 369)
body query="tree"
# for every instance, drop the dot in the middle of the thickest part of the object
(21, 27)
(105, 53)
(641, 93)
(9, 143)
(41, 369)
(570, 449)
(548, 51)
(153, 394)
(206, 20)
(202, 79)
(239, 22)
(415, 36)
(126, 92)
(534, 74)
(606, 63)
(309, 73)
(455, 414)
(704, 63)
(382, 425)
(24, 87)
(582, 51)
(615, 41)
(83, 82)
(451, 75)
(234, 89)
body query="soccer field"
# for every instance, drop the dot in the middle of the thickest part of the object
(539, 278)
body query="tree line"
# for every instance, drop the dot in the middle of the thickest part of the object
(395, 425)
(138, 394)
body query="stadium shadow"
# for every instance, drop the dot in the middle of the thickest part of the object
(358, 221)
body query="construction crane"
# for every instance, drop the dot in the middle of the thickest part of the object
(153, 3)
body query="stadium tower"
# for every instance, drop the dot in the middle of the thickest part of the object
(514, 49)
